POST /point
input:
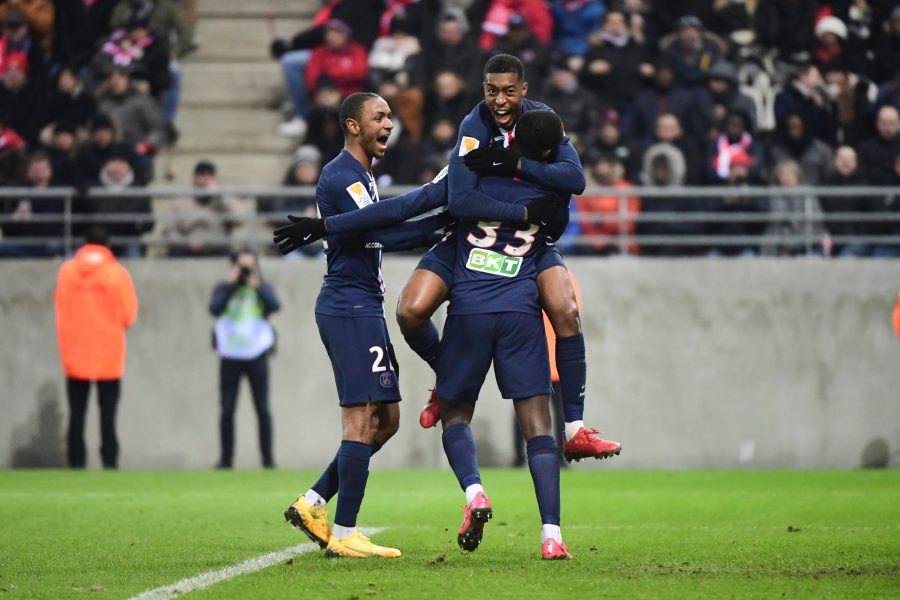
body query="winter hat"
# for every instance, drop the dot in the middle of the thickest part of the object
(833, 25)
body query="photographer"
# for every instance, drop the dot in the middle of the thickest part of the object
(244, 338)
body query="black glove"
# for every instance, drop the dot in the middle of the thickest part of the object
(493, 161)
(301, 231)
(542, 210)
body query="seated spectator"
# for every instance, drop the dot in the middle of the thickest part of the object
(449, 98)
(663, 166)
(455, 51)
(440, 140)
(805, 93)
(324, 125)
(304, 171)
(394, 54)
(201, 225)
(44, 239)
(890, 203)
(740, 178)
(787, 27)
(850, 95)
(12, 156)
(78, 28)
(340, 58)
(520, 42)
(17, 44)
(846, 174)
(22, 101)
(573, 20)
(408, 104)
(101, 144)
(663, 96)
(887, 53)
(615, 66)
(496, 21)
(732, 20)
(813, 155)
(574, 105)
(722, 95)
(61, 153)
(135, 215)
(799, 218)
(663, 15)
(692, 51)
(39, 16)
(611, 142)
(831, 35)
(69, 102)
(601, 217)
(668, 131)
(878, 153)
(136, 48)
(735, 139)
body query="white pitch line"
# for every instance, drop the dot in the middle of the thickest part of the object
(209, 578)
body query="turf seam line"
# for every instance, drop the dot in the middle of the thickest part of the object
(251, 565)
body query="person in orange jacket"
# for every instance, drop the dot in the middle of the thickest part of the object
(95, 304)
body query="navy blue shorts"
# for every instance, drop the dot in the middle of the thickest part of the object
(514, 341)
(442, 256)
(362, 359)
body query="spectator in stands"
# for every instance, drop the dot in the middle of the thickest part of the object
(69, 102)
(61, 153)
(135, 115)
(166, 18)
(573, 20)
(117, 175)
(244, 339)
(669, 131)
(449, 98)
(396, 53)
(887, 54)
(850, 94)
(787, 26)
(732, 20)
(615, 66)
(520, 42)
(847, 174)
(878, 153)
(95, 305)
(600, 215)
(739, 177)
(722, 95)
(21, 100)
(574, 105)
(304, 171)
(496, 21)
(201, 225)
(324, 126)
(663, 166)
(611, 142)
(17, 44)
(79, 27)
(340, 58)
(812, 154)
(92, 155)
(799, 217)
(890, 203)
(806, 94)
(692, 51)
(663, 96)
(135, 47)
(39, 15)
(663, 16)
(12, 155)
(734, 140)
(24, 210)
(831, 35)
(440, 140)
(361, 16)
(455, 51)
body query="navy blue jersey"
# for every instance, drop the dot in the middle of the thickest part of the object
(563, 173)
(495, 268)
(353, 286)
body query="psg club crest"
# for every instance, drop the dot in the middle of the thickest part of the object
(386, 379)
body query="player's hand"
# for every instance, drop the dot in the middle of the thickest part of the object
(301, 231)
(541, 211)
(493, 161)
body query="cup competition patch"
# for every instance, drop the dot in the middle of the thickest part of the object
(467, 145)
(359, 194)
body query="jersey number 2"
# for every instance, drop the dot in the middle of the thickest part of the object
(377, 366)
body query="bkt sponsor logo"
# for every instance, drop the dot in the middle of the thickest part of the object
(494, 263)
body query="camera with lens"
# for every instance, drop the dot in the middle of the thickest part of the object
(243, 276)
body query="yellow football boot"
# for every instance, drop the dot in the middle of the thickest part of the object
(358, 546)
(311, 520)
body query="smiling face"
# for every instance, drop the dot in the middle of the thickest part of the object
(373, 128)
(503, 94)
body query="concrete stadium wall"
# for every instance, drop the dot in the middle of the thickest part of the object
(691, 364)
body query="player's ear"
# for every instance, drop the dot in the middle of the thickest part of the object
(524, 88)
(352, 126)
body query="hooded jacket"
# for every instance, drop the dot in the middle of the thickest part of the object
(95, 304)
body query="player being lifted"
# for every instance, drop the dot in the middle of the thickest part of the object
(483, 145)
(350, 317)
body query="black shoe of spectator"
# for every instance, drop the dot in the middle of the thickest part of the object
(172, 134)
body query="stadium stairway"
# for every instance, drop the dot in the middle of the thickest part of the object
(232, 92)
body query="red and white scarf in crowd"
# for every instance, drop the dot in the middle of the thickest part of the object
(726, 151)
(124, 54)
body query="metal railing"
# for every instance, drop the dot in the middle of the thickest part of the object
(256, 225)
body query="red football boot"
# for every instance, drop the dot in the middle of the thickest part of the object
(475, 515)
(431, 414)
(587, 444)
(553, 550)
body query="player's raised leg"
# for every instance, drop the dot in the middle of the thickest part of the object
(558, 300)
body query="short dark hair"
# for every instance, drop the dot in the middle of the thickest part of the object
(351, 108)
(504, 63)
(97, 234)
(538, 131)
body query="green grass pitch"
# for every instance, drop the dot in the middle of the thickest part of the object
(634, 534)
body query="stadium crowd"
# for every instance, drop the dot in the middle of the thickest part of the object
(730, 93)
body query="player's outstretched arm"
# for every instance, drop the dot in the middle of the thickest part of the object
(564, 173)
(411, 234)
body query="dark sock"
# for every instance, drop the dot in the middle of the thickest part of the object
(572, 370)
(327, 485)
(425, 343)
(353, 471)
(459, 446)
(544, 466)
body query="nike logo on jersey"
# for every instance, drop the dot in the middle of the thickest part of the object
(496, 164)
(307, 236)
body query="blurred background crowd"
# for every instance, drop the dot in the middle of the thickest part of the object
(732, 93)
